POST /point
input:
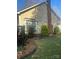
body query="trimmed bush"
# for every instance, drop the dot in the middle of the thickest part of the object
(31, 32)
(56, 30)
(21, 37)
(44, 30)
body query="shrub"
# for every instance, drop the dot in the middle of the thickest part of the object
(44, 30)
(21, 37)
(56, 30)
(31, 32)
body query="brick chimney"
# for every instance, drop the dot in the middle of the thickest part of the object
(50, 26)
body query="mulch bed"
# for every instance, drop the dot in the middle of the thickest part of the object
(27, 50)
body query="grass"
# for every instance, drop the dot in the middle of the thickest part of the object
(48, 48)
(19, 48)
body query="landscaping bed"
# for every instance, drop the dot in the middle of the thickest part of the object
(26, 50)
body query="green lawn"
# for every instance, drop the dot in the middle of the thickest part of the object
(19, 48)
(48, 48)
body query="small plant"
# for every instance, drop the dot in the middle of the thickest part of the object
(57, 30)
(21, 37)
(31, 32)
(44, 30)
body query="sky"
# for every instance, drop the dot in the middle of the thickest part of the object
(55, 5)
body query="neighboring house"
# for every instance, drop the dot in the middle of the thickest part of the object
(38, 13)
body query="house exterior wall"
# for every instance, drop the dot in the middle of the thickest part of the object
(54, 20)
(28, 14)
(40, 15)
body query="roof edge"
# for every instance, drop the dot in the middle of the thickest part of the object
(27, 9)
(36, 5)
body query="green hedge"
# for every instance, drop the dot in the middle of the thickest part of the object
(31, 32)
(21, 36)
(44, 30)
(57, 30)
